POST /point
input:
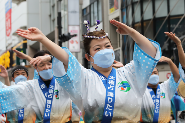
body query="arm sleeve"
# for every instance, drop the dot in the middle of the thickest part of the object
(72, 80)
(181, 72)
(138, 71)
(16, 97)
(171, 86)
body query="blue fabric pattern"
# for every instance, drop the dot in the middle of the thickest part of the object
(181, 71)
(36, 76)
(142, 62)
(11, 98)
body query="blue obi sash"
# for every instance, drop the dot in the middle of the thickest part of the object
(21, 116)
(156, 100)
(110, 84)
(48, 93)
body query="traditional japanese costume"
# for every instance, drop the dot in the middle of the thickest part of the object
(156, 108)
(49, 104)
(115, 99)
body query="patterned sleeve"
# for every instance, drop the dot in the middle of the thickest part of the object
(16, 97)
(181, 72)
(171, 86)
(138, 71)
(72, 80)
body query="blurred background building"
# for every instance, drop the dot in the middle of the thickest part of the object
(150, 17)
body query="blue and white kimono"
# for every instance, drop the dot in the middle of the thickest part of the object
(166, 91)
(29, 93)
(88, 92)
(12, 116)
(74, 108)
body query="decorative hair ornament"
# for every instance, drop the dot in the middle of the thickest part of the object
(97, 24)
(86, 22)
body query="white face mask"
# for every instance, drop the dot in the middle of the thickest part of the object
(154, 79)
(20, 78)
(46, 74)
(104, 58)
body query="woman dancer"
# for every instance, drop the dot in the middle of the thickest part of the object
(104, 94)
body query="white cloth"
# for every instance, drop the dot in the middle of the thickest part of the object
(88, 92)
(167, 88)
(2, 118)
(29, 93)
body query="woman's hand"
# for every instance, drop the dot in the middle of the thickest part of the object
(22, 55)
(32, 33)
(173, 38)
(39, 59)
(122, 28)
(173, 67)
(117, 64)
(165, 59)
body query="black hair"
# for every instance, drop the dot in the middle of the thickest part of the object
(41, 53)
(87, 41)
(19, 67)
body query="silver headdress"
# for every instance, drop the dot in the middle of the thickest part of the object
(86, 22)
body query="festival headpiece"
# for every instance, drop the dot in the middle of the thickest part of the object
(86, 22)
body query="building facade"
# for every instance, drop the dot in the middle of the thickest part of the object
(13, 15)
(152, 18)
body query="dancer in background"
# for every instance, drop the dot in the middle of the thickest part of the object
(40, 55)
(178, 99)
(156, 103)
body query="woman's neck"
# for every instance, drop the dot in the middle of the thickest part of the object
(104, 71)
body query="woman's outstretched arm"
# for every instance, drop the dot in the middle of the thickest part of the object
(35, 34)
(141, 40)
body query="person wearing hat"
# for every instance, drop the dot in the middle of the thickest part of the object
(156, 102)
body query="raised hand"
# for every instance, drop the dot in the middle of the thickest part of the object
(32, 33)
(117, 64)
(22, 55)
(165, 59)
(4, 72)
(39, 59)
(173, 67)
(122, 28)
(173, 37)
